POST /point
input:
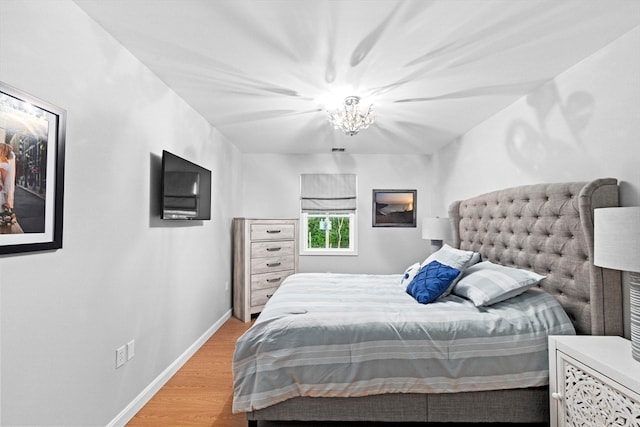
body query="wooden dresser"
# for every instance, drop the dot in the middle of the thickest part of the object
(265, 252)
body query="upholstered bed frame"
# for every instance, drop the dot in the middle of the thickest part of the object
(547, 228)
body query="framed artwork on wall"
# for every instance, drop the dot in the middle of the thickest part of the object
(32, 138)
(394, 208)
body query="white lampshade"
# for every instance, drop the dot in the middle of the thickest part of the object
(436, 229)
(616, 243)
(617, 238)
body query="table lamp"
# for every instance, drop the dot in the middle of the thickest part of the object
(617, 246)
(437, 230)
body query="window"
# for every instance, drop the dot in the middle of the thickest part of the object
(328, 233)
(328, 214)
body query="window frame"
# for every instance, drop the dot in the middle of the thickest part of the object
(351, 250)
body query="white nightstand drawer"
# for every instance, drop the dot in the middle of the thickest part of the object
(592, 399)
(593, 381)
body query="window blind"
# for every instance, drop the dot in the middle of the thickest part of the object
(321, 192)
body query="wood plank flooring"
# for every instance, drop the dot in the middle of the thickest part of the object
(200, 393)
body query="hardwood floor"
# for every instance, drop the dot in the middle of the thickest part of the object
(200, 393)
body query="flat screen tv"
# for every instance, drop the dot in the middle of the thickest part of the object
(186, 189)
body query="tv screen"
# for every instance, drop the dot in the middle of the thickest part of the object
(186, 189)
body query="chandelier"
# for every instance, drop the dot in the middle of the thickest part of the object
(349, 119)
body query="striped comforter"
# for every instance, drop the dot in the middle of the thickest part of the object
(343, 335)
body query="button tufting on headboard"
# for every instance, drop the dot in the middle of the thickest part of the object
(549, 229)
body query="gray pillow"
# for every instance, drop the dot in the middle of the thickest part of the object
(486, 283)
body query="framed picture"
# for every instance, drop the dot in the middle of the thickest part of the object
(394, 208)
(32, 137)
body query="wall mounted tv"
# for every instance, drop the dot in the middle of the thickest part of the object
(186, 189)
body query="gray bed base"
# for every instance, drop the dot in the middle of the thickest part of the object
(547, 228)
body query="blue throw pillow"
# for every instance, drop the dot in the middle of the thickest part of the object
(431, 282)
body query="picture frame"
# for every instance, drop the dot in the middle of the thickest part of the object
(32, 146)
(394, 208)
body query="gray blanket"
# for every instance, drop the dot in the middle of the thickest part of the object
(338, 335)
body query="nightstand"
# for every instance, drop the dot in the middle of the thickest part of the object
(593, 381)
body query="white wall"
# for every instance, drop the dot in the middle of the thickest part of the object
(271, 189)
(582, 125)
(122, 274)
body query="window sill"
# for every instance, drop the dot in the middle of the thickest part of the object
(328, 253)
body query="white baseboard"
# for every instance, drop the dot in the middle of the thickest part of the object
(145, 396)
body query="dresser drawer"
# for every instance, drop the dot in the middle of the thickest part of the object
(272, 231)
(269, 280)
(260, 297)
(269, 264)
(273, 248)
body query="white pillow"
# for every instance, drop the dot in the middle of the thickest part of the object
(455, 258)
(486, 283)
(409, 274)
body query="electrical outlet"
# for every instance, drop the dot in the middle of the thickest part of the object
(131, 349)
(226, 285)
(121, 356)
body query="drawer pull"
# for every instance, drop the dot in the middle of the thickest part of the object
(556, 396)
(273, 249)
(273, 231)
(277, 279)
(273, 264)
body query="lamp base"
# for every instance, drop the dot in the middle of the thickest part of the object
(634, 308)
(436, 245)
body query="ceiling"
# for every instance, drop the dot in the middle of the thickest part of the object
(264, 72)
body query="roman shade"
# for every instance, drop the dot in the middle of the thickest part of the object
(320, 192)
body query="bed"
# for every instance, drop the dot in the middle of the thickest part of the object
(546, 229)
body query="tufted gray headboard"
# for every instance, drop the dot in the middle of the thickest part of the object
(548, 228)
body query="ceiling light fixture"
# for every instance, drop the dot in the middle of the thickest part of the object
(349, 119)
